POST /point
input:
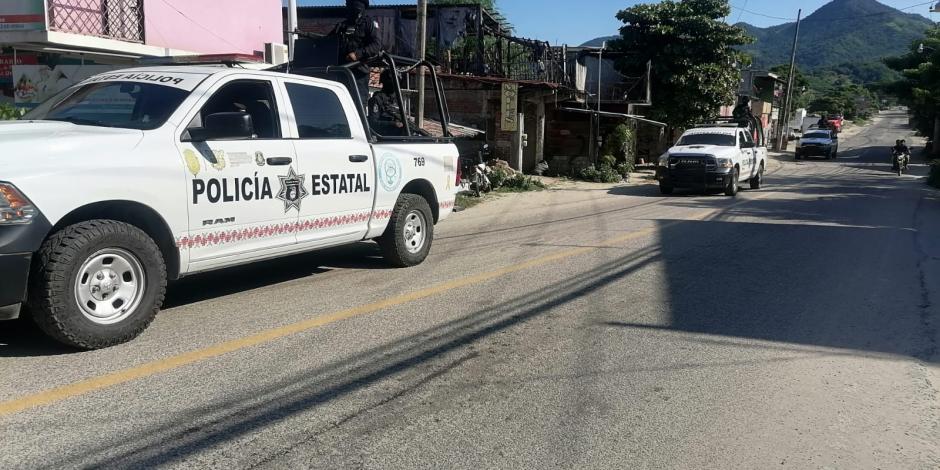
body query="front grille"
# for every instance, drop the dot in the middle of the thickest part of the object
(691, 162)
(690, 169)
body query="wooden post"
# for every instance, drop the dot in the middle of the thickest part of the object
(422, 53)
(784, 136)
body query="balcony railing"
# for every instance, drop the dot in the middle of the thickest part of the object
(113, 19)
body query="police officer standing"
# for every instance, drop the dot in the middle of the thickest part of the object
(358, 42)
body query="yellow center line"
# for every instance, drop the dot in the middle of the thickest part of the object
(174, 362)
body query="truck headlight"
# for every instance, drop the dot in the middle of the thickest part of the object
(664, 159)
(14, 207)
(725, 163)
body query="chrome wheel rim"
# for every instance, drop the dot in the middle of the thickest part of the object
(414, 231)
(109, 286)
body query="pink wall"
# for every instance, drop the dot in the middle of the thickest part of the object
(213, 26)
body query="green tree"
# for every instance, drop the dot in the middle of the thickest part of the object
(802, 92)
(694, 55)
(919, 87)
(488, 4)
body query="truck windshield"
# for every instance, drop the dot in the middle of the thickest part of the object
(127, 105)
(816, 135)
(724, 140)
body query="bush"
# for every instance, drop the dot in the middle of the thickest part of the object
(609, 161)
(519, 182)
(601, 174)
(498, 176)
(934, 178)
(9, 113)
(625, 168)
(504, 179)
(620, 143)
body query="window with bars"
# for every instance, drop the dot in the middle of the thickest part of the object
(113, 19)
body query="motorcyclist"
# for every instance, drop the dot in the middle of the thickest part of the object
(358, 42)
(901, 148)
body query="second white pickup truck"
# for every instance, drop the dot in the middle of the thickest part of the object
(713, 158)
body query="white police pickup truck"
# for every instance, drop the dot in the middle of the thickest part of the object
(713, 158)
(140, 176)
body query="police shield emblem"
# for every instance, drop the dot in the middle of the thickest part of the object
(292, 190)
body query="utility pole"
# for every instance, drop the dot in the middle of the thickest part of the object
(596, 117)
(600, 72)
(422, 53)
(291, 26)
(784, 137)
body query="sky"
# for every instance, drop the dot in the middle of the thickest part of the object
(574, 22)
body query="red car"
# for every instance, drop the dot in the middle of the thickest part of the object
(835, 122)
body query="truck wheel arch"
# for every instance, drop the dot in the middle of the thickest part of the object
(425, 189)
(136, 214)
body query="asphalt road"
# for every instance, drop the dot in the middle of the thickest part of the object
(585, 327)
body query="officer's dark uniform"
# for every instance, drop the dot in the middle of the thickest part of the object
(359, 35)
(384, 113)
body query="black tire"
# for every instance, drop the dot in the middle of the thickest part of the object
(798, 156)
(758, 180)
(53, 289)
(732, 188)
(478, 185)
(394, 243)
(666, 189)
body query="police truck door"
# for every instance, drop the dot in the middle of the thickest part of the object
(243, 190)
(748, 154)
(336, 160)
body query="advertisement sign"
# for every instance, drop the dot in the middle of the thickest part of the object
(510, 107)
(7, 61)
(22, 15)
(33, 84)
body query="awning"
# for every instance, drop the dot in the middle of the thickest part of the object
(616, 115)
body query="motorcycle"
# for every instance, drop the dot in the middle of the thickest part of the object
(477, 172)
(899, 161)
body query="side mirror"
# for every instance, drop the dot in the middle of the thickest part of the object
(228, 126)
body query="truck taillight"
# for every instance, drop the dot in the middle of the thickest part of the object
(459, 174)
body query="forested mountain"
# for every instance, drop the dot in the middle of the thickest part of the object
(847, 37)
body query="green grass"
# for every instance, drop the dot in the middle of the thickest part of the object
(466, 201)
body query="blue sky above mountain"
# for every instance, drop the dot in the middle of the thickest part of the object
(564, 21)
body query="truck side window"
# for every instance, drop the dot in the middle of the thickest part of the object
(318, 112)
(253, 97)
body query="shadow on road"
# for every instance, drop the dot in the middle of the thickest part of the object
(414, 361)
(815, 271)
(851, 288)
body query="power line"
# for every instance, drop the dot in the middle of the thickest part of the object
(741, 13)
(191, 20)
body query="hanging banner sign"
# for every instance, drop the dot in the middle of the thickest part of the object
(22, 15)
(510, 107)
